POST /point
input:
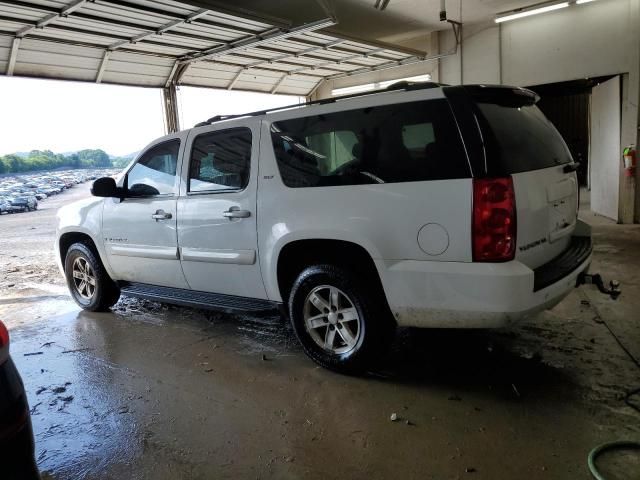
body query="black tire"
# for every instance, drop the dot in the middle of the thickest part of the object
(376, 324)
(105, 293)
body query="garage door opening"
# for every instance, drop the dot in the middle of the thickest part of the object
(587, 114)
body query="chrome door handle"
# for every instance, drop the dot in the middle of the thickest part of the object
(161, 215)
(235, 212)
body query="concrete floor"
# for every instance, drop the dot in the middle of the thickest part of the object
(158, 392)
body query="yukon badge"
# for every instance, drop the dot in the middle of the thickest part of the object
(528, 246)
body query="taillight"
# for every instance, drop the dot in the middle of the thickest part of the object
(4, 343)
(494, 220)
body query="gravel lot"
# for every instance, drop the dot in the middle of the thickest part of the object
(26, 243)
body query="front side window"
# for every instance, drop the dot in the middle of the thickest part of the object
(155, 172)
(220, 161)
(404, 142)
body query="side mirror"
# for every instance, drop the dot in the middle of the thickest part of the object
(105, 187)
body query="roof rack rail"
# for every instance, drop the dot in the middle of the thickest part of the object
(401, 85)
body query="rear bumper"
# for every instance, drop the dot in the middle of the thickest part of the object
(477, 295)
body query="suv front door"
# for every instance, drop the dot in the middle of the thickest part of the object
(140, 231)
(217, 210)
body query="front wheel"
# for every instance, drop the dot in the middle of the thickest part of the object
(340, 319)
(89, 284)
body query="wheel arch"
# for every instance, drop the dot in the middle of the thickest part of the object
(69, 238)
(297, 255)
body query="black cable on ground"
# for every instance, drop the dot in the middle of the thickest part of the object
(624, 444)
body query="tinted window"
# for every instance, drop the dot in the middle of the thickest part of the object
(155, 172)
(404, 142)
(519, 139)
(220, 161)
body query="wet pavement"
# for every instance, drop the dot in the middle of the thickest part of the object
(151, 391)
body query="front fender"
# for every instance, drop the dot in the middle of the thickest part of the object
(82, 217)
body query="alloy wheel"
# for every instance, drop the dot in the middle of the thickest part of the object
(332, 320)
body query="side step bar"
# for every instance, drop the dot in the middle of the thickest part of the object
(191, 298)
(596, 279)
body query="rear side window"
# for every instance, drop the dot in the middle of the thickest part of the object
(519, 139)
(406, 142)
(220, 161)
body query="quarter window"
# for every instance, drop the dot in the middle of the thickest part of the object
(220, 161)
(155, 172)
(405, 142)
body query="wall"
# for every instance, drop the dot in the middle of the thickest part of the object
(590, 40)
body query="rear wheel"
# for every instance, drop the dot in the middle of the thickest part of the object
(89, 284)
(341, 321)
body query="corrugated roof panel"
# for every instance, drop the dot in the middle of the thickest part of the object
(126, 14)
(9, 27)
(141, 80)
(156, 49)
(213, 33)
(22, 13)
(57, 34)
(107, 28)
(236, 22)
(73, 47)
(174, 8)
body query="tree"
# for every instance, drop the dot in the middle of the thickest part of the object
(47, 160)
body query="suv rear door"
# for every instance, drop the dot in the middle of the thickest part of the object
(217, 210)
(507, 135)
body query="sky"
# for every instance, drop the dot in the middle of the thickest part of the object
(70, 116)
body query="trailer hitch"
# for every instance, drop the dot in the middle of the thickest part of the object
(596, 279)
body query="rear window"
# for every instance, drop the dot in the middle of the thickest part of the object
(519, 139)
(404, 142)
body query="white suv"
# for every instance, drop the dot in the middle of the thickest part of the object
(423, 206)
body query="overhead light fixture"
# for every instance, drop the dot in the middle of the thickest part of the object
(528, 11)
(580, 2)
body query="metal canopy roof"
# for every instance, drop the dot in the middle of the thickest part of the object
(156, 43)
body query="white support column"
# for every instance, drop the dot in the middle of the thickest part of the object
(277, 85)
(103, 65)
(170, 107)
(235, 78)
(15, 46)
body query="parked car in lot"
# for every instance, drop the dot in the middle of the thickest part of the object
(39, 186)
(17, 447)
(26, 203)
(5, 206)
(422, 206)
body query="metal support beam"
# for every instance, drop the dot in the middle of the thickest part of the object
(170, 107)
(259, 39)
(335, 62)
(15, 46)
(172, 75)
(277, 85)
(301, 53)
(73, 6)
(160, 30)
(103, 65)
(235, 78)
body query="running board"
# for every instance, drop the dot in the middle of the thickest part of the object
(191, 298)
